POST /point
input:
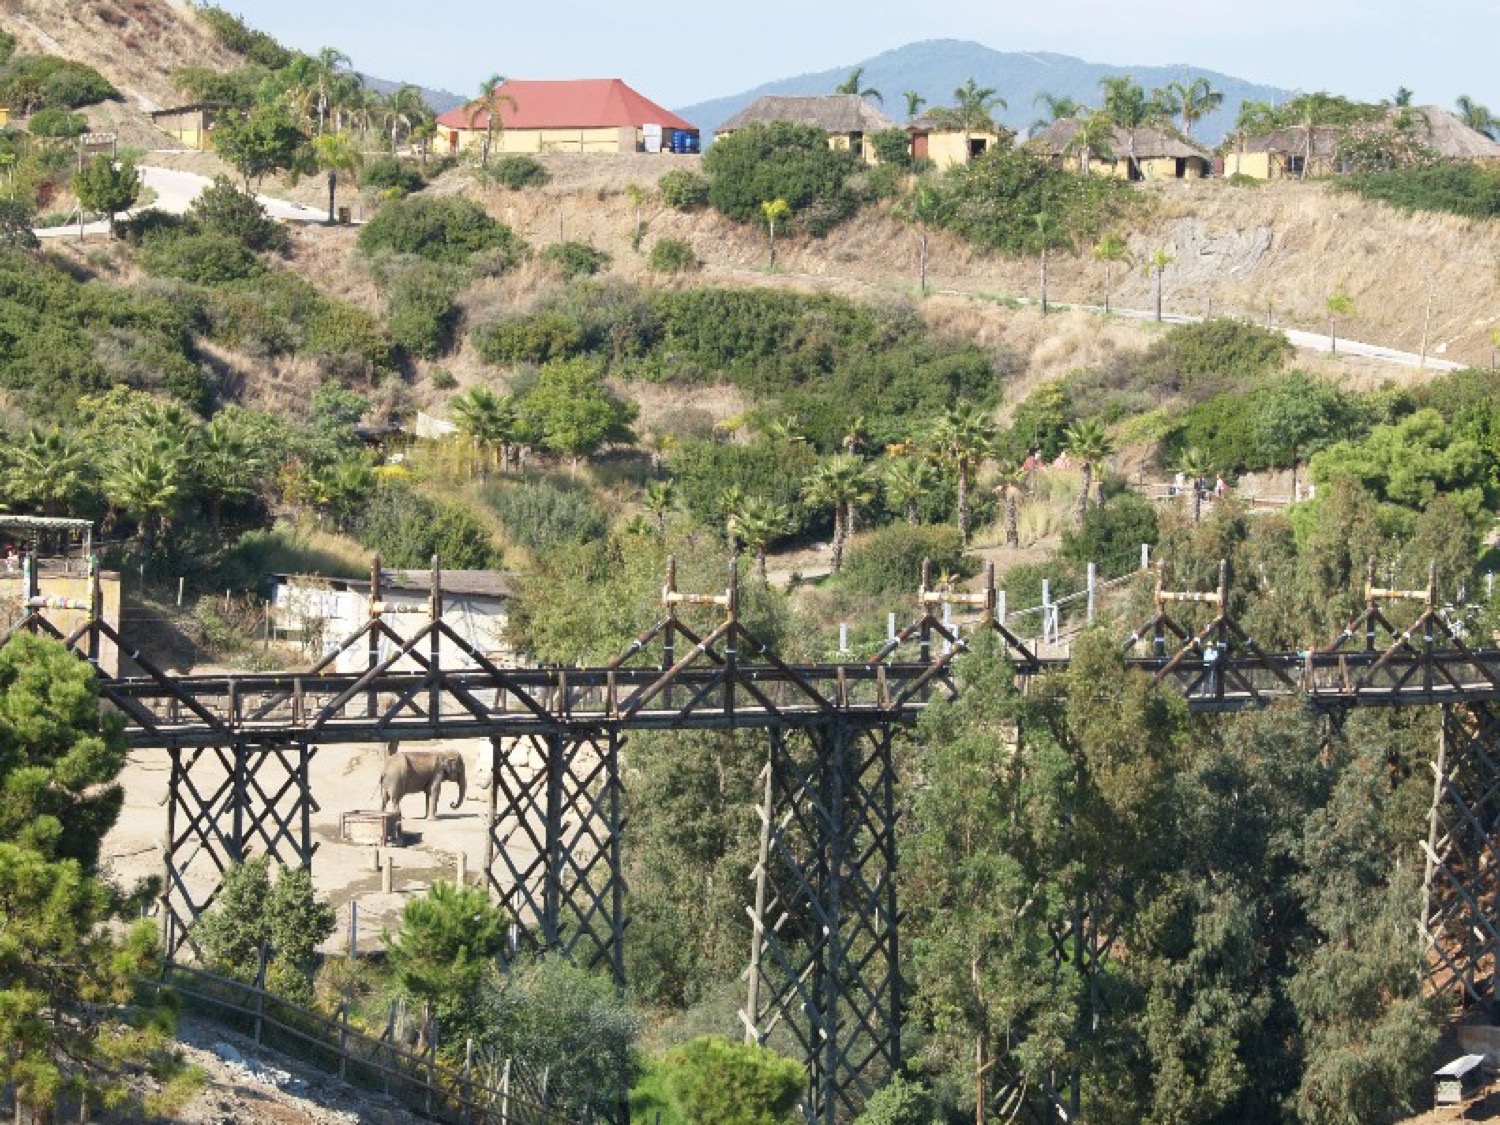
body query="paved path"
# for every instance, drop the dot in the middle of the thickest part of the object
(175, 192)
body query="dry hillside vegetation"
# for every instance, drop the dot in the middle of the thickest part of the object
(136, 44)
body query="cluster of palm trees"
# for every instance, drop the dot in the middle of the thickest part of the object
(325, 95)
(1126, 109)
(954, 448)
(144, 470)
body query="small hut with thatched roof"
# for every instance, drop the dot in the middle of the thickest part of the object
(1147, 153)
(1297, 150)
(848, 119)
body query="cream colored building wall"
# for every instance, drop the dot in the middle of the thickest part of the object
(1256, 164)
(72, 587)
(949, 149)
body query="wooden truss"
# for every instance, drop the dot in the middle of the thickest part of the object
(1460, 922)
(824, 954)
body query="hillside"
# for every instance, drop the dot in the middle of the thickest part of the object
(936, 67)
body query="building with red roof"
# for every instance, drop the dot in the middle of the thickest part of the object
(576, 115)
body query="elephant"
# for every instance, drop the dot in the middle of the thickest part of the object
(420, 771)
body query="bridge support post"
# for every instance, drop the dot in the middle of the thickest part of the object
(1461, 892)
(224, 805)
(825, 954)
(553, 849)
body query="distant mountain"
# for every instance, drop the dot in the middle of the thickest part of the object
(441, 101)
(936, 67)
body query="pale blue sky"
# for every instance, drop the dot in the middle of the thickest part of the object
(679, 52)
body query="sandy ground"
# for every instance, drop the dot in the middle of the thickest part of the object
(344, 778)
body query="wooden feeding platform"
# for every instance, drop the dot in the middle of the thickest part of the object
(370, 826)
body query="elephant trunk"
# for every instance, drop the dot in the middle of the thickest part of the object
(463, 785)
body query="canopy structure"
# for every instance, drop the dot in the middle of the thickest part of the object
(51, 523)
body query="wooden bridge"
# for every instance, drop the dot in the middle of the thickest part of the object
(824, 959)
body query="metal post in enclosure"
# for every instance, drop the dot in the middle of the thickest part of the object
(825, 960)
(1093, 580)
(1461, 889)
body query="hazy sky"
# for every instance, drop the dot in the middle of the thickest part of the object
(679, 52)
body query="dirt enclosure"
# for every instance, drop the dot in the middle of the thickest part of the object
(344, 778)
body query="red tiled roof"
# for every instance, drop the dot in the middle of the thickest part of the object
(589, 103)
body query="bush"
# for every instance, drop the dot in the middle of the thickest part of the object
(16, 223)
(773, 471)
(683, 189)
(443, 952)
(888, 561)
(537, 339)
(407, 529)
(545, 514)
(34, 82)
(892, 146)
(575, 259)
(420, 312)
(1461, 187)
(386, 173)
(449, 230)
(517, 172)
(1220, 346)
(781, 161)
(57, 123)
(672, 255)
(232, 31)
(900, 1102)
(204, 259)
(1111, 535)
(716, 1082)
(225, 209)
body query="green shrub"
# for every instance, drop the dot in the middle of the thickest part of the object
(444, 380)
(1023, 593)
(888, 561)
(7, 46)
(1461, 187)
(387, 173)
(1221, 346)
(683, 189)
(206, 258)
(280, 313)
(16, 222)
(449, 230)
(575, 259)
(33, 82)
(1111, 535)
(224, 209)
(672, 255)
(516, 172)
(1240, 179)
(773, 471)
(406, 529)
(545, 514)
(892, 146)
(57, 123)
(233, 32)
(786, 161)
(420, 312)
(443, 952)
(716, 1082)
(537, 339)
(900, 1102)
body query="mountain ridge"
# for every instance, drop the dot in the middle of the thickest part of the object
(934, 68)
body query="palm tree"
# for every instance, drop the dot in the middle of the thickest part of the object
(406, 109)
(1401, 99)
(229, 465)
(144, 482)
(335, 153)
(1192, 101)
(48, 468)
(486, 419)
(1476, 116)
(1194, 465)
(850, 85)
(1254, 118)
(1059, 106)
(1128, 106)
(1088, 443)
(1092, 138)
(1111, 249)
(960, 439)
(906, 482)
(786, 430)
(731, 504)
(659, 498)
(488, 106)
(762, 522)
(1339, 304)
(774, 210)
(914, 103)
(1154, 266)
(842, 484)
(1046, 235)
(325, 69)
(1010, 479)
(972, 111)
(1312, 111)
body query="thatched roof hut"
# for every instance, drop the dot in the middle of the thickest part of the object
(833, 113)
(1150, 143)
(1450, 138)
